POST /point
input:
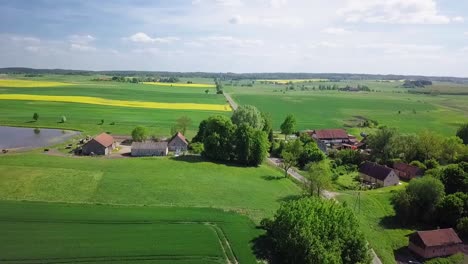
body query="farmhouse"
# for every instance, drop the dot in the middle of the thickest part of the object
(149, 148)
(102, 144)
(333, 138)
(406, 171)
(377, 174)
(435, 243)
(178, 143)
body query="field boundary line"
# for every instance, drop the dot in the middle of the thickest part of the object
(224, 242)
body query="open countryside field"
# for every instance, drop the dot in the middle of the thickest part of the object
(61, 233)
(88, 102)
(333, 109)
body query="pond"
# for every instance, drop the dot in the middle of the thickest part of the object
(24, 137)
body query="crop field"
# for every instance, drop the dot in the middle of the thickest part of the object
(121, 105)
(192, 85)
(30, 83)
(333, 109)
(67, 233)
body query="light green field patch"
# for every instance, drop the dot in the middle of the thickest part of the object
(53, 184)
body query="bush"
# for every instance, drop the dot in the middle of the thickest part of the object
(462, 226)
(418, 164)
(63, 119)
(431, 163)
(139, 134)
(454, 259)
(196, 148)
(349, 157)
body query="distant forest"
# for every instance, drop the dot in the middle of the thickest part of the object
(239, 76)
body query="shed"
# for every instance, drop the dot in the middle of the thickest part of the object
(102, 144)
(380, 175)
(406, 171)
(178, 143)
(435, 243)
(149, 148)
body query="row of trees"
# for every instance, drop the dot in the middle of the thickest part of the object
(243, 139)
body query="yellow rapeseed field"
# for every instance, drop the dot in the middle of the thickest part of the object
(192, 85)
(110, 102)
(294, 80)
(29, 83)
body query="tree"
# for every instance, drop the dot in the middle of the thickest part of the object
(349, 156)
(207, 91)
(244, 141)
(139, 134)
(462, 133)
(318, 177)
(430, 145)
(260, 146)
(404, 146)
(63, 119)
(249, 115)
(380, 143)
(291, 153)
(452, 147)
(196, 148)
(418, 201)
(455, 179)
(267, 125)
(36, 116)
(288, 126)
(313, 230)
(200, 136)
(452, 208)
(183, 123)
(310, 153)
(218, 137)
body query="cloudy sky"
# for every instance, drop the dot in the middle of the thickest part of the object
(427, 37)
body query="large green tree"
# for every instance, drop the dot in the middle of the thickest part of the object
(314, 230)
(217, 138)
(290, 154)
(462, 133)
(454, 178)
(268, 125)
(430, 145)
(248, 114)
(310, 153)
(380, 143)
(318, 178)
(139, 134)
(288, 126)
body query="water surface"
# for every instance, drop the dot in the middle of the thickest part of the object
(26, 137)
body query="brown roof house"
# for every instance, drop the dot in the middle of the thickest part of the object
(406, 171)
(103, 144)
(435, 243)
(380, 175)
(149, 148)
(329, 138)
(178, 143)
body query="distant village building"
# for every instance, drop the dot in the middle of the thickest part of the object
(435, 243)
(332, 139)
(406, 171)
(178, 143)
(102, 144)
(380, 175)
(149, 148)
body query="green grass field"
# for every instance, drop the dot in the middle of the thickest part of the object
(333, 109)
(374, 213)
(64, 233)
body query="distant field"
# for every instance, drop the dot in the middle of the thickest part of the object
(192, 85)
(60, 233)
(333, 109)
(30, 83)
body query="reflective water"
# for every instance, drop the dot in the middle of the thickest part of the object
(22, 137)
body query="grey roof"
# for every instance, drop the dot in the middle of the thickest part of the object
(149, 145)
(375, 170)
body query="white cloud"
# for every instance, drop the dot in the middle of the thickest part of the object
(465, 33)
(230, 41)
(328, 44)
(32, 48)
(228, 3)
(336, 31)
(273, 21)
(25, 39)
(458, 19)
(141, 37)
(398, 48)
(81, 39)
(81, 47)
(394, 12)
(278, 3)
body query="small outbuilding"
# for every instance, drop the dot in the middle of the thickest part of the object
(380, 175)
(103, 144)
(178, 143)
(435, 243)
(149, 148)
(406, 171)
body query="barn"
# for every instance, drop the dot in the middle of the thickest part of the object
(406, 171)
(378, 174)
(149, 148)
(178, 143)
(103, 144)
(435, 243)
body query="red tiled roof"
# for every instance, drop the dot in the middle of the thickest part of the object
(331, 134)
(439, 237)
(104, 139)
(179, 135)
(409, 170)
(375, 170)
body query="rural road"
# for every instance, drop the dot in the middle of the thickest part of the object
(327, 194)
(231, 102)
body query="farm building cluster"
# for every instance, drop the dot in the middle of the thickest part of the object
(105, 144)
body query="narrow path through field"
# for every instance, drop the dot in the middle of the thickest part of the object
(231, 101)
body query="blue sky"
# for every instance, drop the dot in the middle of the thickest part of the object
(427, 37)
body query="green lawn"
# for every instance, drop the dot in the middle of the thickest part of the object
(186, 182)
(374, 213)
(65, 233)
(331, 109)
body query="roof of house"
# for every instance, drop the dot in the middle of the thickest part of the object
(330, 134)
(375, 170)
(438, 237)
(149, 145)
(104, 139)
(409, 169)
(180, 136)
